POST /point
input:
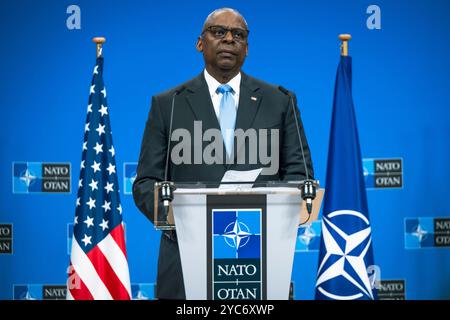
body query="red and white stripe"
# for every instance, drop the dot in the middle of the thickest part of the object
(103, 273)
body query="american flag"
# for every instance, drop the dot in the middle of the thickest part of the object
(98, 265)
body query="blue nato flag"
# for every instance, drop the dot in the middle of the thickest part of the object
(346, 268)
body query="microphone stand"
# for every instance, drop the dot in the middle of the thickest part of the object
(167, 187)
(309, 186)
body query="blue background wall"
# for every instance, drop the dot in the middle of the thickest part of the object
(401, 77)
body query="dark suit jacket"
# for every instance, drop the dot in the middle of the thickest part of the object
(261, 105)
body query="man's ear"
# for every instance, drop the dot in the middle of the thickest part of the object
(199, 44)
(246, 50)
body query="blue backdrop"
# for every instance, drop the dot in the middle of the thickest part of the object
(401, 75)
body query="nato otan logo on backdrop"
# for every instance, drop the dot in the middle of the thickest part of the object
(391, 290)
(6, 238)
(140, 291)
(383, 173)
(39, 292)
(36, 177)
(129, 175)
(427, 232)
(308, 237)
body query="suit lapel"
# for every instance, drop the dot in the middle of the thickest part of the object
(200, 102)
(249, 101)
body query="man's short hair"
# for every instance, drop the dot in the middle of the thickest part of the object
(217, 11)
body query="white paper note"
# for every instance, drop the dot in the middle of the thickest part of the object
(239, 176)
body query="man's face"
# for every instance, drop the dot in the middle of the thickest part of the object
(226, 54)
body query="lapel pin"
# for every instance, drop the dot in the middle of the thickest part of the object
(253, 98)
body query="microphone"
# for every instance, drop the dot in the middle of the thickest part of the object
(308, 188)
(167, 187)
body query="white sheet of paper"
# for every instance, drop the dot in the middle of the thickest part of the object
(239, 176)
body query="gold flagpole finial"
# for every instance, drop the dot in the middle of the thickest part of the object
(344, 46)
(99, 41)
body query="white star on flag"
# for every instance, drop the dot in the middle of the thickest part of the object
(112, 151)
(98, 148)
(355, 261)
(100, 129)
(96, 166)
(103, 110)
(92, 89)
(109, 187)
(91, 203)
(89, 222)
(93, 185)
(104, 224)
(104, 92)
(111, 169)
(86, 240)
(106, 206)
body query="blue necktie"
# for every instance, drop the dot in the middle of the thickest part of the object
(227, 116)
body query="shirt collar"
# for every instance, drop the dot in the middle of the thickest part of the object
(213, 84)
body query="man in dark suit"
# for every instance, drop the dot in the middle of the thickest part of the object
(221, 97)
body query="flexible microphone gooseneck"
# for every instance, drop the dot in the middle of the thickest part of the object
(308, 188)
(167, 187)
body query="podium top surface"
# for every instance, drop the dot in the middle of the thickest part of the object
(238, 187)
(232, 189)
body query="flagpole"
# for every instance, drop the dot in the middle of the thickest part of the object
(344, 46)
(99, 41)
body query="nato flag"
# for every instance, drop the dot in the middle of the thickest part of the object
(346, 269)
